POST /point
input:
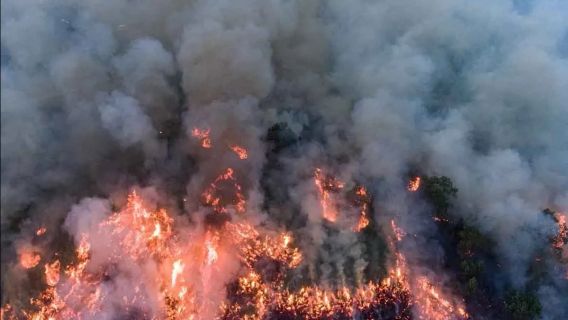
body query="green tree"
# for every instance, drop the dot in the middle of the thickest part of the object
(439, 191)
(471, 267)
(471, 242)
(522, 305)
(471, 287)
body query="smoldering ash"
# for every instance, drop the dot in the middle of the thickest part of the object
(284, 159)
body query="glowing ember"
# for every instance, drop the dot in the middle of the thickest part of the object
(561, 237)
(414, 184)
(29, 258)
(41, 231)
(203, 135)
(240, 151)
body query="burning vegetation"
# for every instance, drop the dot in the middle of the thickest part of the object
(181, 269)
(176, 285)
(284, 160)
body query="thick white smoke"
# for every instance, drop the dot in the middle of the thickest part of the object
(98, 96)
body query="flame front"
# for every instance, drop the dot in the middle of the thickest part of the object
(172, 289)
(212, 254)
(144, 235)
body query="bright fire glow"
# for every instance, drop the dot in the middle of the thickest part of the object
(29, 258)
(177, 269)
(561, 237)
(332, 194)
(325, 185)
(430, 302)
(414, 184)
(213, 194)
(363, 222)
(141, 236)
(212, 254)
(52, 271)
(203, 135)
(240, 152)
(41, 231)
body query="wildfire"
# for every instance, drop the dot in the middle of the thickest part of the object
(561, 237)
(177, 269)
(372, 301)
(431, 303)
(213, 195)
(148, 237)
(324, 187)
(29, 258)
(203, 135)
(328, 186)
(363, 222)
(52, 271)
(434, 305)
(212, 254)
(398, 232)
(414, 184)
(41, 231)
(6, 312)
(253, 246)
(240, 152)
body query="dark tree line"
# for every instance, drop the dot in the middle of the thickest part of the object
(471, 255)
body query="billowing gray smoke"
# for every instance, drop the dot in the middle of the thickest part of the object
(101, 96)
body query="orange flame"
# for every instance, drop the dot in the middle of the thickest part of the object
(52, 273)
(212, 254)
(414, 184)
(29, 258)
(177, 269)
(212, 196)
(41, 231)
(430, 301)
(324, 186)
(561, 237)
(203, 135)
(240, 151)
(434, 305)
(363, 222)
(142, 235)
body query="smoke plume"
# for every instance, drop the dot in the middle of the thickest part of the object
(103, 97)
